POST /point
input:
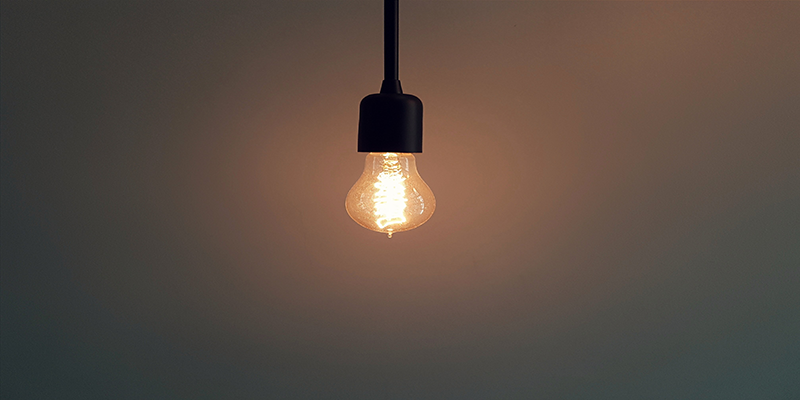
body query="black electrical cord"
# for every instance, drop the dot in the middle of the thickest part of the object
(390, 39)
(391, 81)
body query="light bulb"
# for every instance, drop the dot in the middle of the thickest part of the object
(390, 196)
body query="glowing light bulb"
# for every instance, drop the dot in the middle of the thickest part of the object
(390, 196)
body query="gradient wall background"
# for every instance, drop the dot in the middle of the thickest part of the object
(618, 189)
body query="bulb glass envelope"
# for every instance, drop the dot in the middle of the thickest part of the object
(390, 196)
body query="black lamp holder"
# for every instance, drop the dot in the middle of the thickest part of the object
(390, 121)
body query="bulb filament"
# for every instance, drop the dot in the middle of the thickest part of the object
(390, 196)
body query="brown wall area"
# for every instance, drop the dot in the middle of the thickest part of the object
(617, 186)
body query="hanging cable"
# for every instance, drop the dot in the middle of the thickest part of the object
(391, 82)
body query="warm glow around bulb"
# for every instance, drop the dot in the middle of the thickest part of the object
(390, 196)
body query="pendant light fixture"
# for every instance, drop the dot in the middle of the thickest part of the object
(390, 196)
